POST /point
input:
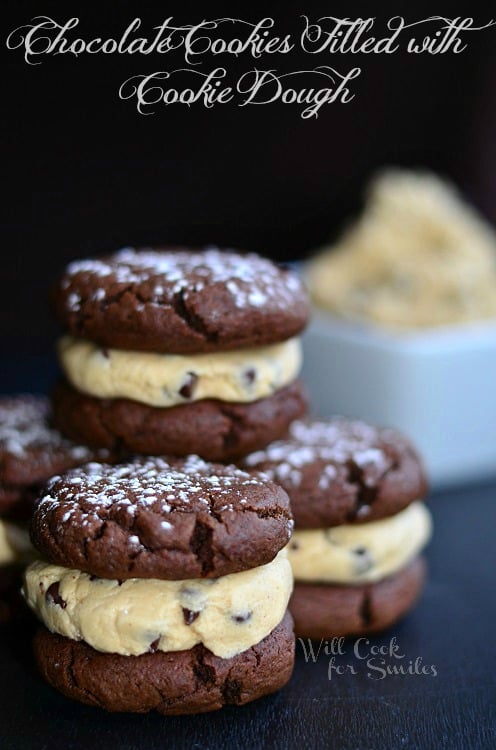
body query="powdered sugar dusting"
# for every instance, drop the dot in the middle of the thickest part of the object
(252, 281)
(149, 483)
(328, 444)
(25, 427)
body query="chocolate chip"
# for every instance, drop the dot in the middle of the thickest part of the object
(241, 617)
(294, 545)
(93, 578)
(363, 560)
(52, 595)
(188, 387)
(105, 353)
(249, 375)
(189, 616)
(154, 645)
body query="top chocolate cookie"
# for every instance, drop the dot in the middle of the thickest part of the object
(156, 518)
(341, 471)
(31, 450)
(177, 300)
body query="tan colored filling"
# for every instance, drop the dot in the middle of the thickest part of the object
(163, 380)
(228, 614)
(360, 553)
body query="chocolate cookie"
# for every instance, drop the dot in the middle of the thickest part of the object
(179, 682)
(215, 430)
(341, 471)
(158, 518)
(325, 611)
(177, 300)
(31, 450)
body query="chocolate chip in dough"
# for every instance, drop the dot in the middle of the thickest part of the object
(188, 388)
(189, 616)
(241, 617)
(249, 375)
(363, 560)
(154, 645)
(53, 596)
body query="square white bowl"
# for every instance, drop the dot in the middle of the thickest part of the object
(436, 386)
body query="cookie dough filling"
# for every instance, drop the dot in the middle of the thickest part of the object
(418, 257)
(15, 545)
(360, 553)
(164, 380)
(227, 614)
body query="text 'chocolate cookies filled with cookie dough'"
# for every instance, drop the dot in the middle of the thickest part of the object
(31, 451)
(164, 585)
(360, 524)
(174, 351)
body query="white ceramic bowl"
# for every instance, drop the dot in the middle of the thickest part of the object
(436, 386)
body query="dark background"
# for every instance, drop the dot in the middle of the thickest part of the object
(84, 173)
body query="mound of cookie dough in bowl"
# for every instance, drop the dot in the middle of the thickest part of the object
(163, 585)
(175, 351)
(418, 257)
(360, 524)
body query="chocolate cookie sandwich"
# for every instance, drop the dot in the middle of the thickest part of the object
(31, 451)
(173, 352)
(360, 524)
(164, 585)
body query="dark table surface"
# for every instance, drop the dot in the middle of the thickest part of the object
(451, 634)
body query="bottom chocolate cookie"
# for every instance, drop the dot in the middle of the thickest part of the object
(176, 682)
(325, 611)
(215, 430)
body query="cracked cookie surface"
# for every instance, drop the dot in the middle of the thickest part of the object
(216, 430)
(176, 300)
(180, 682)
(165, 519)
(341, 471)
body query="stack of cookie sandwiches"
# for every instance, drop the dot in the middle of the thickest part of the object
(175, 352)
(164, 585)
(31, 451)
(360, 524)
